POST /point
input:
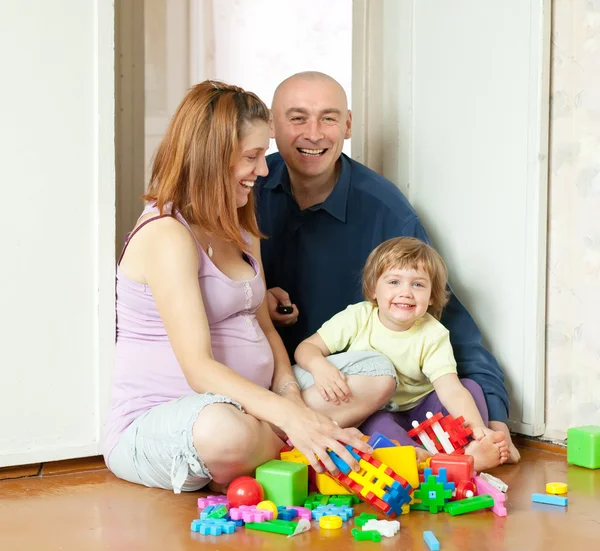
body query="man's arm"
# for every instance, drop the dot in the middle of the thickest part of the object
(473, 360)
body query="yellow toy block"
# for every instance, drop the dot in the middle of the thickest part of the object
(371, 478)
(294, 456)
(402, 460)
(329, 486)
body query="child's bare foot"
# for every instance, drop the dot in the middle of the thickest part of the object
(488, 452)
(513, 454)
(422, 454)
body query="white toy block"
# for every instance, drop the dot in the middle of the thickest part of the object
(387, 528)
(494, 482)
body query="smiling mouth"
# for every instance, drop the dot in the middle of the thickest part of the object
(248, 184)
(404, 306)
(311, 152)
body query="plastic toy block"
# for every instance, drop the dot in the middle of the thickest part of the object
(339, 462)
(418, 506)
(583, 446)
(330, 522)
(294, 456)
(218, 512)
(284, 483)
(556, 488)
(303, 513)
(493, 481)
(329, 486)
(370, 535)
(550, 500)
(484, 487)
(278, 526)
(207, 511)
(213, 527)
(331, 510)
(314, 500)
(268, 506)
(250, 513)
(378, 440)
(433, 493)
(458, 467)
(424, 432)
(466, 489)
(363, 518)
(286, 513)
(456, 430)
(431, 541)
(344, 500)
(402, 460)
(441, 476)
(475, 503)
(387, 528)
(204, 502)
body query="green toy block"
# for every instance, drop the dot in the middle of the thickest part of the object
(363, 518)
(277, 526)
(468, 505)
(366, 535)
(344, 501)
(284, 482)
(583, 446)
(314, 500)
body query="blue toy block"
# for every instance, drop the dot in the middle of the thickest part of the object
(550, 500)
(207, 511)
(378, 440)
(442, 477)
(213, 526)
(398, 495)
(283, 513)
(339, 462)
(431, 541)
(331, 510)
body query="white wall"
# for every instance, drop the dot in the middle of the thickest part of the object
(57, 227)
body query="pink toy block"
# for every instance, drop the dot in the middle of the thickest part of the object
(249, 513)
(303, 512)
(204, 502)
(484, 487)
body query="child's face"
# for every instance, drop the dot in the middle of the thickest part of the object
(403, 296)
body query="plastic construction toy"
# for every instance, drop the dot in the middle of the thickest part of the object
(378, 440)
(387, 528)
(212, 500)
(332, 510)
(286, 527)
(368, 535)
(375, 483)
(250, 513)
(469, 505)
(484, 487)
(268, 506)
(556, 488)
(440, 434)
(213, 527)
(286, 513)
(435, 492)
(303, 512)
(218, 511)
(458, 467)
(583, 446)
(495, 482)
(363, 518)
(330, 522)
(344, 500)
(245, 490)
(431, 541)
(285, 483)
(314, 500)
(550, 500)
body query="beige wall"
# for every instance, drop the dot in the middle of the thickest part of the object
(573, 322)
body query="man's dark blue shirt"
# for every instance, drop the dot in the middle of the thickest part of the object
(317, 256)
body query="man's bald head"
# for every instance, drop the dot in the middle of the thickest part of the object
(309, 76)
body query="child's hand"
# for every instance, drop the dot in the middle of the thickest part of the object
(331, 383)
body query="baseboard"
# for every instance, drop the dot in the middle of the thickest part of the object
(552, 446)
(54, 468)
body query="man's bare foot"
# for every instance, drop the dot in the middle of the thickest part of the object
(218, 488)
(486, 452)
(513, 454)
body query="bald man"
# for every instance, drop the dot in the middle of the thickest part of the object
(324, 213)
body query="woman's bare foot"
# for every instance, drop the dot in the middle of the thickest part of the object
(513, 454)
(488, 452)
(218, 488)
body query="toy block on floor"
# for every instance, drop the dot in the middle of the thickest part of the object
(458, 467)
(431, 540)
(328, 486)
(583, 446)
(294, 456)
(469, 505)
(402, 460)
(213, 527)
(378, 440)
(550, 500)
(484, 487)
(284, 482)
(434, 492)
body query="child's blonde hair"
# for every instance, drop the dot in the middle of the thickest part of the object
(408, 253)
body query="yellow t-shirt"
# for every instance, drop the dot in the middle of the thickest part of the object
(420, 355)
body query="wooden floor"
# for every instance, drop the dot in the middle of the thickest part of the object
(95, 511)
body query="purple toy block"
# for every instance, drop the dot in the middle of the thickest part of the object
(303, 512)
(250, 513)
(483, 487)
(212, 500)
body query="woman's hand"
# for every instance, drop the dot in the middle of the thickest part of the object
(312, 433)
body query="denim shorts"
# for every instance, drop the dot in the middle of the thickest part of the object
(157, 449)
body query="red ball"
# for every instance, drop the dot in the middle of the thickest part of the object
(245, 490)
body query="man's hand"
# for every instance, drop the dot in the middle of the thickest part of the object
(275, 297)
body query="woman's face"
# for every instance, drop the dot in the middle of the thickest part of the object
(250, 162)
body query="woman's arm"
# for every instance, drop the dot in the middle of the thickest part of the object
(283, 376)
(169, 260)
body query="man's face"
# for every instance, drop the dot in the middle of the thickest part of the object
(310, 122)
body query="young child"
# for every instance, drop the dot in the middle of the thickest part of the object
(404, 282)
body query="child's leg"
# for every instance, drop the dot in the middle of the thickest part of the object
(371, 378)
(488, 452)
